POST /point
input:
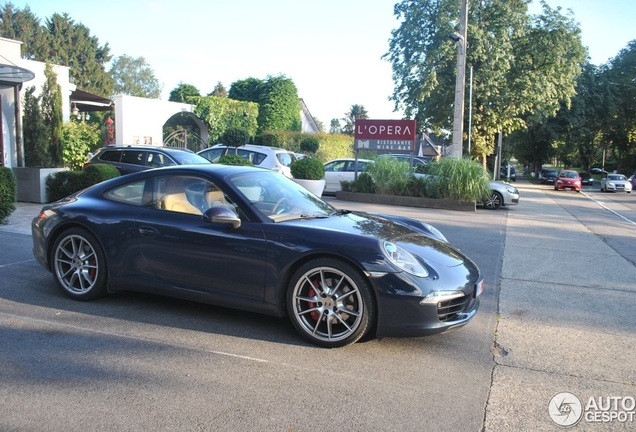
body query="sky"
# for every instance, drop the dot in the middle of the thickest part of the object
(330, 49)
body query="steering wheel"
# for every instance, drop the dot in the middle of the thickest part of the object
(278, 204)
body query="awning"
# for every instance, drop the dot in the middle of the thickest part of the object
(14, 75)
(85, 101)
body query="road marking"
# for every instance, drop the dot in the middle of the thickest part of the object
(610, 210)
(16, 263)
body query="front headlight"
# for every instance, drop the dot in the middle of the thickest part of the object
(511, 189)
(403, 259)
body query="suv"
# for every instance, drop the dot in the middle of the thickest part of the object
(503, 173)
(274, 158)
(130, 159)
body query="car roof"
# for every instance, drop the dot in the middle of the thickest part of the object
(146, 147)
(253, 147)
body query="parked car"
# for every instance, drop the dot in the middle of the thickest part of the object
(417, 160)
(548, 176)
(599, 171)
(632, 180)
(342, 169)
(615, 183)
(249, 238)
(568, 180)
(502, 194)
(274, 158)
(503, 173)
(587, 179)
(130, 159)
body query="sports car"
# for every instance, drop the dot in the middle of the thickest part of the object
(249, 238)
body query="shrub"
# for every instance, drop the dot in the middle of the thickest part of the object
(64, 183)
(308, 169)
(363, 184)
(8, 193)
(390, 175)
(457, 179)
(235, 137)
(233, 159)
(79, 138)
(309, 145)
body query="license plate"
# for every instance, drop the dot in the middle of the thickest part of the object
(568, 188)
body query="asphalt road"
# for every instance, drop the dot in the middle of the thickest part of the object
(139, 362)
(558, 315)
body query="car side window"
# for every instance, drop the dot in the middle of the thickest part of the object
(285, 159)
(130, 193)
(213, 155)
(156, 159)
(255, 157)
(110, 155)
(187, 194)
(335, 166)
(134, 157)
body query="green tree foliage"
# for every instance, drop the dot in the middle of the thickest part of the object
(309, 145)
(183, 92)
(36, 143)
(335, 127)
(248, 90)
(8, 193)
(134, 77)
(308, 169)
(235, 137)
(356, 112)
(220, 114)
(79, 139)
(51, 104)
(279, 106)
(24, 26)
(219, 90)
(523, 66)
(619, 79)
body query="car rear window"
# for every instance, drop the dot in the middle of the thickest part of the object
(110, 155)
(285, 159)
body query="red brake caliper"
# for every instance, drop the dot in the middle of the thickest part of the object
(315, 315)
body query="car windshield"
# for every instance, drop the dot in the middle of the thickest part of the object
(187, 158)
(569, 175)
(616, 177)
(279, 198)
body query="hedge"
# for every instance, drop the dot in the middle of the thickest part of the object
(64, 183)
(8, 193)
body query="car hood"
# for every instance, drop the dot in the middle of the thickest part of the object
(367, 230)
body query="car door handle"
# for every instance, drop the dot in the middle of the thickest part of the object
(148, 231)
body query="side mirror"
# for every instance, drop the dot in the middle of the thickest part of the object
(223, 215)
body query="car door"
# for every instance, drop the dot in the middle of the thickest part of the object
(190, 254)
(335, 172)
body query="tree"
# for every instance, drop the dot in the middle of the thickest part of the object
(182, 92)
(51, 101)
(356, 112)
(219, 90)
(334, 126)
(24, 26)
(523, 66)
(36, 151)
(134, 77)
(279, 106)
(248, 90)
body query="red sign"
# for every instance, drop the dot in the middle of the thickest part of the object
(398, 136)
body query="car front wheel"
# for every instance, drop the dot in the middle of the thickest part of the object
(494, 201)
(79, 265)
(330, 303)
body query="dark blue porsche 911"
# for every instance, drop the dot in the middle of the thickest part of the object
(249, 238)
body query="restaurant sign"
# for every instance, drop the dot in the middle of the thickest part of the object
(391, 136)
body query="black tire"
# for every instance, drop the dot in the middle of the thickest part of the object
(79, 265)
(330, 303)
(494, 201)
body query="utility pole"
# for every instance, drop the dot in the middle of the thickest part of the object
(460, 82)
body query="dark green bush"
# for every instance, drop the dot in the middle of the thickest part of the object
(64, 183)
(235, 137)
(308, 169)
(8, 193)
(363, 184)
(309, 145)
(233, 159)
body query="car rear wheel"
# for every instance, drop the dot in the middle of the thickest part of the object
(494, 201)
(330, 303)
(79, 265)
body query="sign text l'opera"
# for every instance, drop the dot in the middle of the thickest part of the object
(391, 136)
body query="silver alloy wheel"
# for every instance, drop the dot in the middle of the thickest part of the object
(494, 201)
(327, 304)
(76, 264)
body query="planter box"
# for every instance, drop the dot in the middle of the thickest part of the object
(314, 186)
(32, 183)
(396, 200)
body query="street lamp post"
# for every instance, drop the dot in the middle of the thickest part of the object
(460, 82)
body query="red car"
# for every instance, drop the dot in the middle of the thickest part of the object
(568, 180)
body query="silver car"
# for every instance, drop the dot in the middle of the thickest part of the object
(274, 158)
(615, 183)
(501, 194)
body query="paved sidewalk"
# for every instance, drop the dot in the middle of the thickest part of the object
(563, 325)
(20, 219)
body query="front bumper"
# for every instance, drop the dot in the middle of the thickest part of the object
(413, 314)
